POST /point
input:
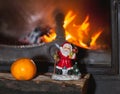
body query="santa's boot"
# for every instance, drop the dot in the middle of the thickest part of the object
(70, 72)
(58, 71)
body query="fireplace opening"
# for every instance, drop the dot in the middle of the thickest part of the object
(91, 25)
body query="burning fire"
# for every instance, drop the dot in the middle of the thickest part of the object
(50, 37)
(79, 35)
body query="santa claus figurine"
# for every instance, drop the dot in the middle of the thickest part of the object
(64, 62)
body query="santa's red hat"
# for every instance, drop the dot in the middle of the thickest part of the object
(65, 43)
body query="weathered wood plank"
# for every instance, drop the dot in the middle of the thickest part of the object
(44, 83)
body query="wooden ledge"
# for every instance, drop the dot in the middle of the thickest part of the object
(80, 84)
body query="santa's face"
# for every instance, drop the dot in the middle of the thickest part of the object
(66, 50)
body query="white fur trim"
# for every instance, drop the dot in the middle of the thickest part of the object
(62, 68)
(58, 67)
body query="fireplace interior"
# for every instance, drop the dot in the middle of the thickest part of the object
(32, 28)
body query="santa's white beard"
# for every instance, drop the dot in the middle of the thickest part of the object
(65, 52)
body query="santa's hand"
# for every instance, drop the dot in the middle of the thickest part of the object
(56, 58)
(72, 55)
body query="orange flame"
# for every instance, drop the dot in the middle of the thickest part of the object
(68, 19)
(79, 35)
(50, 37)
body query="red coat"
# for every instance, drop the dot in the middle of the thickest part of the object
(65, 61)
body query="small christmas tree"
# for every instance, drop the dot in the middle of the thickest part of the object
(76, 69)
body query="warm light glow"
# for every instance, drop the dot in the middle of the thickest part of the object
(69, 18)
(50, 37)
(94, 38)
(80, 35)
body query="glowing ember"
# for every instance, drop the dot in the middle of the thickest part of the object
(79, 35)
